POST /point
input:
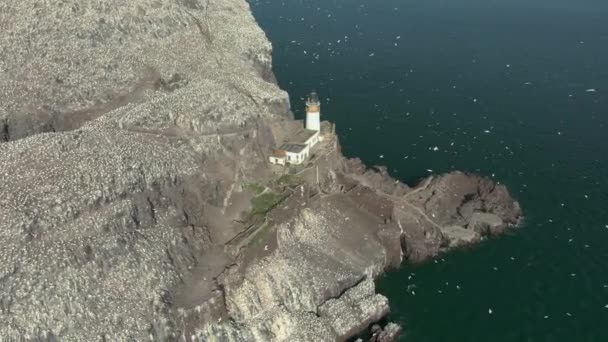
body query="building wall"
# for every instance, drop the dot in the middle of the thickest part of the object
(298, 158)
(312, 141)
(276, 160)
(313, 121)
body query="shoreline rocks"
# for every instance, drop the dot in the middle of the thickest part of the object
(389, 333)
(332, 245)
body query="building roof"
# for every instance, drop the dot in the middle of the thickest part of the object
(303, 136)
(279, 153)
(293, 148)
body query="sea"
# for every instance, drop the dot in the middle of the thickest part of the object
(510, 89)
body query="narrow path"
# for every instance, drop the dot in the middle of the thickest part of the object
(185, 133)
(419, 211)
(235, 180)
(423, 187)
(403, 200)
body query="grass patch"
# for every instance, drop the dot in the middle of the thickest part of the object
(256, 188)
(290, 180)
(263, 203)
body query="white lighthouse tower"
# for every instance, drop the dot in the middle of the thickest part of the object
(313, 112)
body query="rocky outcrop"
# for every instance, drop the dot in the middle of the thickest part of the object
(123, 126)
(453, 210)
(389, 333)
(129, 134)
(65, 64)
(333, 245)
(457, 197)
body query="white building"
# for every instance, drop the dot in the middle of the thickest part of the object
(297, 149)
(306, 137)
(290, 153)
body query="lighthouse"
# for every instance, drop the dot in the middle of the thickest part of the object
(313, 112)
(300, 146)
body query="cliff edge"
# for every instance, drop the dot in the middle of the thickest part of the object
(137, 203)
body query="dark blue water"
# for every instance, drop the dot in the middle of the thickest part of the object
(514, 90)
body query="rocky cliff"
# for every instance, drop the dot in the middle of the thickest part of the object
(135, 198)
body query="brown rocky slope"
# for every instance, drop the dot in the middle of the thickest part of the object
(133, 146)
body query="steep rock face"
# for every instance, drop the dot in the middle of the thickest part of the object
(164, 107)
(65, 63)
(317, 274)
(319, 277)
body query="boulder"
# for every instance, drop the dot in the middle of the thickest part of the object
(459, 236)
(389, 333)
(486, 224)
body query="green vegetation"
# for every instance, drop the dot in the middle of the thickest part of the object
(256, 188)
(290, 180)
(265, 202)
(265, 199)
